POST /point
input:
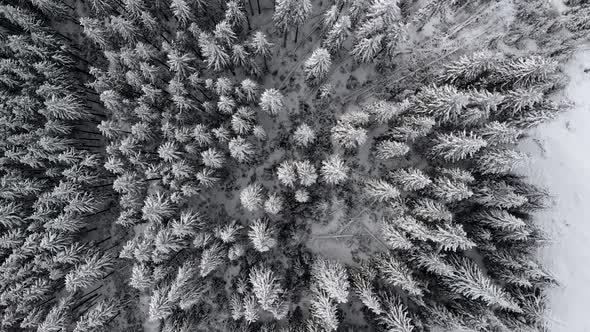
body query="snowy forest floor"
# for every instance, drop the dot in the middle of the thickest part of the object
(560, 156)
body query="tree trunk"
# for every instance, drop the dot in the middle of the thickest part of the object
(95, 213)
(248, 20)
(88, 299)
(259, 10)
(106, 239)
(251, 8)
(296, 34)
(285, 38)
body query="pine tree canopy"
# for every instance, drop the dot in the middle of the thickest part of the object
(286, 165)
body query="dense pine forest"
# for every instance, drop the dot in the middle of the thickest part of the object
(288, 165)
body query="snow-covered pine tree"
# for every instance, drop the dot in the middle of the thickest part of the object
(261, 235)
(364, 290)
(289, 13)
(240, 149)
(394, 237)
(304, 135)
(395, 317)
(251, 197)
(333, 170)
(324, 310)
(157, 207)
(160, 306)
(410, 179)
(499, 219)
(331, 277)
(380, 190)
(91, 270)
(306, 172)
(215, 55)
(348, 136)
(500, 161)
(397, 273)
(391, 149)
(452, 237)
(181, 11)
(97, 317)
(211, 259)
(265, 286)
(431, 210)
(302, 196)
(272, 101)
(317, 66)
(449, 191)
(337, 34)
(274, 204)
(260, 45)
(456, 146)
(286, 173)
(469, 281)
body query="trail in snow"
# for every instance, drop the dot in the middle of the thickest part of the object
(560, 153)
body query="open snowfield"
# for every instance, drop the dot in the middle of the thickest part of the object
(560, 153)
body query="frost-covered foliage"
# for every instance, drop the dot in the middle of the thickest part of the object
(168, 156)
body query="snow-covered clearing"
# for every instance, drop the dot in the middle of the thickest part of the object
(560, 152)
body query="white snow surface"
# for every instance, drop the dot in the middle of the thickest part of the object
(560, 153)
